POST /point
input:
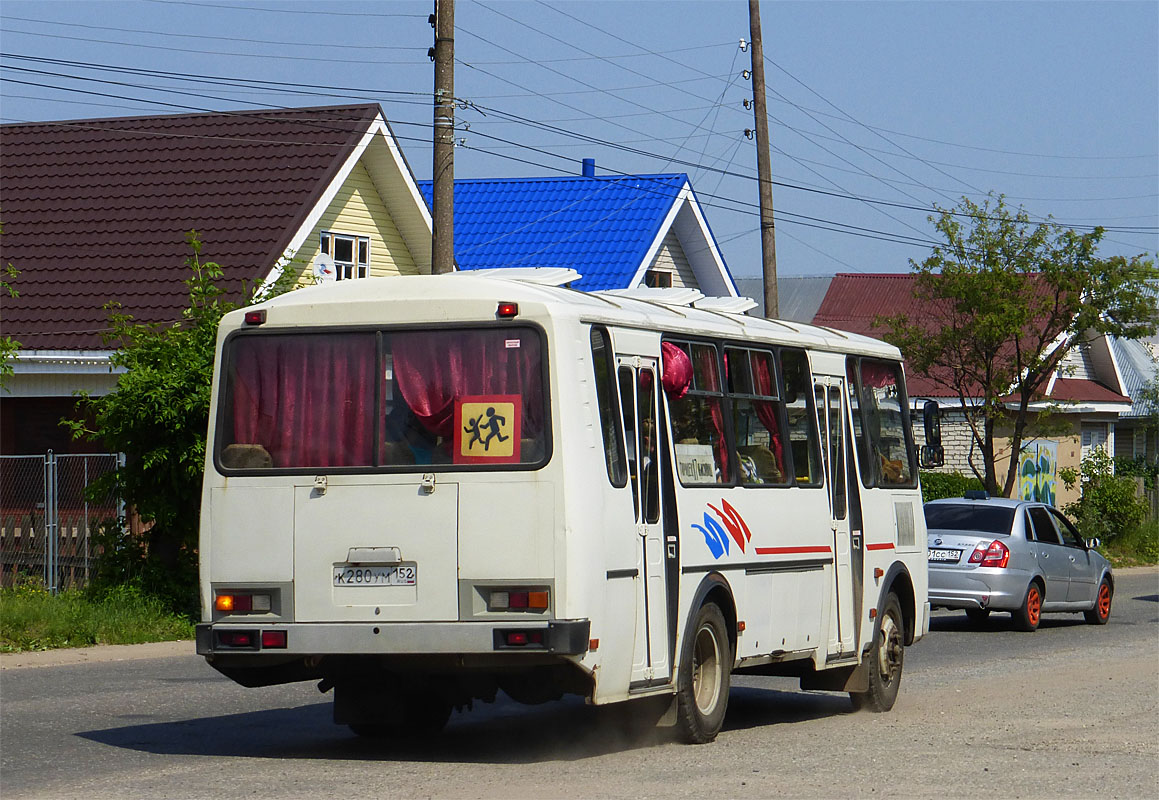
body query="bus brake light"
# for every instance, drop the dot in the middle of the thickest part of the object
(507, 310)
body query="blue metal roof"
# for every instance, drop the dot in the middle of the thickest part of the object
(601, 226)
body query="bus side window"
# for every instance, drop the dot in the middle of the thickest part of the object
(649, 466)
(803, 440)
(698, 432)
(865, 464)
(756, 416)
(890, 447)
(628, 409)
(605, 399)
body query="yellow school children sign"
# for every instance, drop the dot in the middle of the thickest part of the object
(487, 429)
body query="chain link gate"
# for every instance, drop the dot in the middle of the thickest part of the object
(46, 518)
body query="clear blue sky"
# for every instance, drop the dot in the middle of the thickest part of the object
(914, 104)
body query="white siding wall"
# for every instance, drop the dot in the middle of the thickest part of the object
(58, 384)
(670, 257)
(1078, 364)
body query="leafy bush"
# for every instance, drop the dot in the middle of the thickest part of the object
(123, 563)
(1140, 546)
(1109, 506)
(936, 485)
(1138, 468)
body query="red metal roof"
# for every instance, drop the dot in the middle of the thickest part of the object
(855, 301)
(97, 210)
(1080, 390)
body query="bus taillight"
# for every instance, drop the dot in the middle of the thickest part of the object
(519, 600)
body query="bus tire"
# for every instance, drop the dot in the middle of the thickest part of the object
(885, 662)
(705, 667)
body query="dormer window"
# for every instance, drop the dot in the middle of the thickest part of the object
(658, 279)
(351, 254)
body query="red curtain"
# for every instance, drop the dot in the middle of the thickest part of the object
(767, 410)
(878, 376)
(709, 380)
(433, 369)
(309, 400)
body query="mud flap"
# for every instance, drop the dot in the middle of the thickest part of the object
(840, 679)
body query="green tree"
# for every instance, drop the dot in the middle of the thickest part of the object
(158, 416)
(1003, 300)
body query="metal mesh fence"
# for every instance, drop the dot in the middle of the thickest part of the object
(46, 520)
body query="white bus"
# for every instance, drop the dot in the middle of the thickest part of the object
(423, 490)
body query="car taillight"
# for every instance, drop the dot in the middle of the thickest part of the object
(995, 554)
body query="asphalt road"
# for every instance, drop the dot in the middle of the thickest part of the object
(1069, 711)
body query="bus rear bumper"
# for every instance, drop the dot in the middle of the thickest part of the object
(557, 637)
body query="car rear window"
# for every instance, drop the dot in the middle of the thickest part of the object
(970, 517)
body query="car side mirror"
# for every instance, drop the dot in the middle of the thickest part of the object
(1094, 544)
(932, 455)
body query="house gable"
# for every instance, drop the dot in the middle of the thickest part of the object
(96, 211)
(372, 194)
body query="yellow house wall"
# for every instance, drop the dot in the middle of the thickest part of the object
(1070, 453)
(358, 210)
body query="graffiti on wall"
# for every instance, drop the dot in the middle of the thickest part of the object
(1038, 472)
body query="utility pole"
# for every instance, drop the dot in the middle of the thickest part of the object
(764, 164)
(443, 173)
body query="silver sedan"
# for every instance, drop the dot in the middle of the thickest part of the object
(994, 554)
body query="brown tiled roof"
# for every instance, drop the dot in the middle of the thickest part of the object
(854, 301)
(96, 210)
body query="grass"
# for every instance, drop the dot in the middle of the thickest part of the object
(33, 619)
(1136, 548)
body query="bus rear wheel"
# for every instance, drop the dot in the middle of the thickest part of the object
(415, 712)
(885, 661)
(705, 667)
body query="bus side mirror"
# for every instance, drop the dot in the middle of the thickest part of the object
(932, 454)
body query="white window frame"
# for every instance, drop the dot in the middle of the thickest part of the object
(356, 268)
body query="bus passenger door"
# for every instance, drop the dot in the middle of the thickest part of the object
(830, 399)
(639, 387)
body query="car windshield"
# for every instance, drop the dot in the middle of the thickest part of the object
(970, 517)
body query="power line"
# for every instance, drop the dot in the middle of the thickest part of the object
(550, 128)
(171, 49)
(325, 45)
(232, 7)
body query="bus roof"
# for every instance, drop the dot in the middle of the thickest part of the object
(472, 295)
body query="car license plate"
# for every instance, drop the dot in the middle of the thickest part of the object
(395, 575)
(945, 555)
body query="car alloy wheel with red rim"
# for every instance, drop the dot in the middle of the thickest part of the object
(1102, 609)
(1027, 617)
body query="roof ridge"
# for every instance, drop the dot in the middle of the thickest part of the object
(243, 113)
(552, 178)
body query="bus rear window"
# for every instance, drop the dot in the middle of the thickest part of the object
(364, 399)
